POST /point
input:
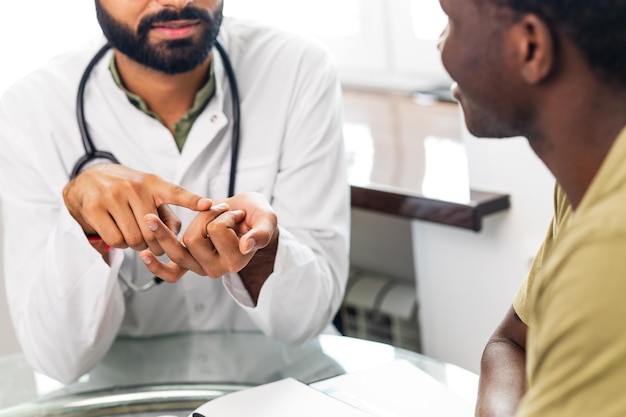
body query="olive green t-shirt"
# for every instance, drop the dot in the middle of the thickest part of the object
(183, 126)
(574, 303)
(562, 211)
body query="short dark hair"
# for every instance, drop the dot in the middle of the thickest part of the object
(596, 27)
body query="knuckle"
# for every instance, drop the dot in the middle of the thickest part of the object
(117, 242)
(236, 265)
(178, 259)
(89, 207)
(178, 191)
(135, 240)
(138, 246)
(191, 241)
(213, 269)
(129, 187)
(212, 228)
(214, 272)
(147, 178)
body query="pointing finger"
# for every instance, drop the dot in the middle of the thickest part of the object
(168, 193)
(172, 247)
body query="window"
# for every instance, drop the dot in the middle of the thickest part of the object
(389, 44)
(377, 43)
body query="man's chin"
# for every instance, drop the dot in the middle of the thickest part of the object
(482, 133)
(481, 128)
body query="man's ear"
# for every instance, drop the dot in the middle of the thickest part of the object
(534, 46)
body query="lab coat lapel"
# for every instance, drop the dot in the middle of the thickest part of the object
(137, 140)
(143, 143)
(209, 127)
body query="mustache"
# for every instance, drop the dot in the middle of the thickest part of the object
(168, 15)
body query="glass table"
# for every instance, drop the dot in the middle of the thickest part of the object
(173, 375)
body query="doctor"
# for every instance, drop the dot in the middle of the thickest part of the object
(77, 252)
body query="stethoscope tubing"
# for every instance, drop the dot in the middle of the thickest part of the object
(92, 153)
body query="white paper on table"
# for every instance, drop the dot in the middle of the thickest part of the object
(285, 398)
(397, 389)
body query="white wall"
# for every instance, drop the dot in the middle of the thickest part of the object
(378, 44)
(382, 243)
(466, 280)
(52, 30)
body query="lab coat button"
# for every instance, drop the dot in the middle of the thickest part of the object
(214, 118)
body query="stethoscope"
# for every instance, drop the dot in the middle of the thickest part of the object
(92, 153)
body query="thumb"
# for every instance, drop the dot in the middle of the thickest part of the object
(260, 236)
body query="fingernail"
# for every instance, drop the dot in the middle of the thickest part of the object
(146, 259)
(152, 225)
(250, 246)
(220, 206)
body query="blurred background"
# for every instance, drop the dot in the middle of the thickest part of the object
(377, 43)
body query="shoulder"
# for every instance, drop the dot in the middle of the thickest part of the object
(43, 102)
(253, 41)
(589, 253)
(56, 78)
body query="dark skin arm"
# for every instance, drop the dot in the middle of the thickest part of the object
(502, 381)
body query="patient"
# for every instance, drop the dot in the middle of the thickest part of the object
(554, 71)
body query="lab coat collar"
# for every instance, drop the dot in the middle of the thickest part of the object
(206, 128)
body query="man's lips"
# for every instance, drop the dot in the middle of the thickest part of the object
(175, 29)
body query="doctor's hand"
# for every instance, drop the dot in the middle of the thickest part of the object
(110, 200)
(240, 234)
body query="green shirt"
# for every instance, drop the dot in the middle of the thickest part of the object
(183, 126)
(524, 305)
(574, 303)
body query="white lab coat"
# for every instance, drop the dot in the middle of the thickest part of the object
(68, 305)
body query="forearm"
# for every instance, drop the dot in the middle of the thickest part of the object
(63, 345)
(65, 303)
(502, 380)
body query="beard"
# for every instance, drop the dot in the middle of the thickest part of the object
(170, 57)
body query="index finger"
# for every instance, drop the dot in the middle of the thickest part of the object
(168, 193)
(173, 248)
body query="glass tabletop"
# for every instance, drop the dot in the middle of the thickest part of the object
(173, 375)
